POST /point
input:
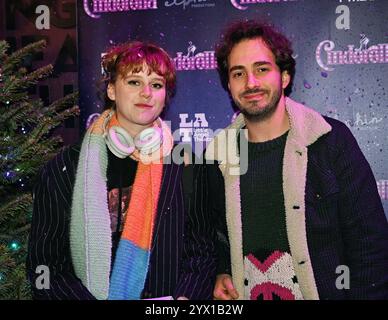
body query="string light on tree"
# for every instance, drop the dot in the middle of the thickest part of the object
(9, 174)
(21, 183)
(14, 245)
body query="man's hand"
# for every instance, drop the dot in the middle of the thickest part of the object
(224, 288)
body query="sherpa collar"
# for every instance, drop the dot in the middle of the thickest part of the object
(306, 126)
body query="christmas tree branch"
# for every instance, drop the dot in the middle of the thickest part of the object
(16, 58)
(15, 85)
(14, 205)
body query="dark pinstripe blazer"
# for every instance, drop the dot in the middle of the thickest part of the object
(182, 261)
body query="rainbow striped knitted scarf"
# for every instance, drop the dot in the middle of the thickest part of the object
(90, 232)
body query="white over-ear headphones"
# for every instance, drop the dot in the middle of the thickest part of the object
(122, 145)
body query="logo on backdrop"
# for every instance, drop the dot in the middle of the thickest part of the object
(196, 129)
(361, 53)
(190, 60)
(364, 121)
(382, 187)
(361, 121)
(94, 7)
(193, 3)
(239, 3)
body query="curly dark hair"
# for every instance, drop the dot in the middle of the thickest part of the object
(251, 29)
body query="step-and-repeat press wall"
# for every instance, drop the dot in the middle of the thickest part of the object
(340, 46)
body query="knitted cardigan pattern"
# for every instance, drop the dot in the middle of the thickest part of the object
(90, 231)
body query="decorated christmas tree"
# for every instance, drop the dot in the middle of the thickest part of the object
(27, 142)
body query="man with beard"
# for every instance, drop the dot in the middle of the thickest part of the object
(304, 220)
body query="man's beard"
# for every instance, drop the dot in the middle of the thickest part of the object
(254, 114)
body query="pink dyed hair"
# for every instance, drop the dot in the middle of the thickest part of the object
(132, 56)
